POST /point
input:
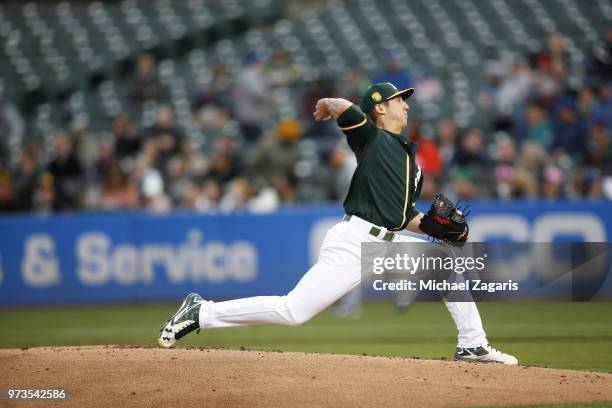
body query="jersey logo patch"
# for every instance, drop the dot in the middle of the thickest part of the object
(417, 176)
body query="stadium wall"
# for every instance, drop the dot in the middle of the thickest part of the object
(131, 257)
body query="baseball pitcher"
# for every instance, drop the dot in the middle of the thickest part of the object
(380, 201)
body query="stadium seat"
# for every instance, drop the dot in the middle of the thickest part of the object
(73, 52)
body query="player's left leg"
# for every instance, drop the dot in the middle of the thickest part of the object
(321, 286)
(472, 343)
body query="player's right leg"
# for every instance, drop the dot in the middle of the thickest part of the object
(336, 272)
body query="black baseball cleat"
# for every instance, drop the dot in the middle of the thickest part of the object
(484, 354)
(183, 322)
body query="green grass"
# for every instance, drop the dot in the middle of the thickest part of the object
(578, 405)
(560, 335)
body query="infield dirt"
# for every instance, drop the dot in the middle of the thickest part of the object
(115, 376)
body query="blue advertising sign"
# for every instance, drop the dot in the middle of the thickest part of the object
(119, 257)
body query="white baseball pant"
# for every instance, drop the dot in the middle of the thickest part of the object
(337, 271)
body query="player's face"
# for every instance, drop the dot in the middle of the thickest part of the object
(398, 111)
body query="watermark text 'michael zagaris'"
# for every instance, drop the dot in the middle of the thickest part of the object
(443, 285)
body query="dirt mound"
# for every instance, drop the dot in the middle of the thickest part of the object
(112, 376)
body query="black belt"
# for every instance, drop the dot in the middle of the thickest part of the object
(375, 231)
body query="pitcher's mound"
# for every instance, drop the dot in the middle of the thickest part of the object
(113, 376)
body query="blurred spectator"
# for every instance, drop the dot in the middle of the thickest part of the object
(104, 160)
(184, 171)
(151, 181)
(557, 109)
(274, 160)
(552, 72)
(524, 184)
(44, 195)
(144, 85)
(429, 86)
(514, 87)
(209, 196)
(533, 157)
(85, 148)
(322, 87)
(553, 179)
(471, 149)
(167, 137)
(602, 111)
(66, 171)
(213, 120)
(353, 83)
(126, 140)
(196, 163)
(276, 156)
(252, 101)
(266, 200)
(12, 130)
(538, 126)
(601, 62)
(551, 66)
(430, 188)
(599, 149)
(147, 177)
(569, 130)
(428, 155)
(585, 102)
(7, 202)
(236, 197)
(26, 179)
(225, 165)
(530, 164)
(216, 91)
(469, 164)
(492, 76)
(464, 184)
(118, 191)
(505, 168)
(589, 183)
(285, 187)
(221, 170)
(555, 58)
(282, 72)
(190, 196)
(342, 163)
(590, 179)
(394, 73)
(447, 139)
(94, 156)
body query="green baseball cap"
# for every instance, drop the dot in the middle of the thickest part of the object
(381, 92)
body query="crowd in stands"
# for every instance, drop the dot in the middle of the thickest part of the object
(547, 135)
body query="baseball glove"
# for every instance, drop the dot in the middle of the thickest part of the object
(445, 222)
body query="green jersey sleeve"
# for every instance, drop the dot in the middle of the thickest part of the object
(357, 127)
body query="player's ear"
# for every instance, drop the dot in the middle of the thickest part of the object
(379, 109)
